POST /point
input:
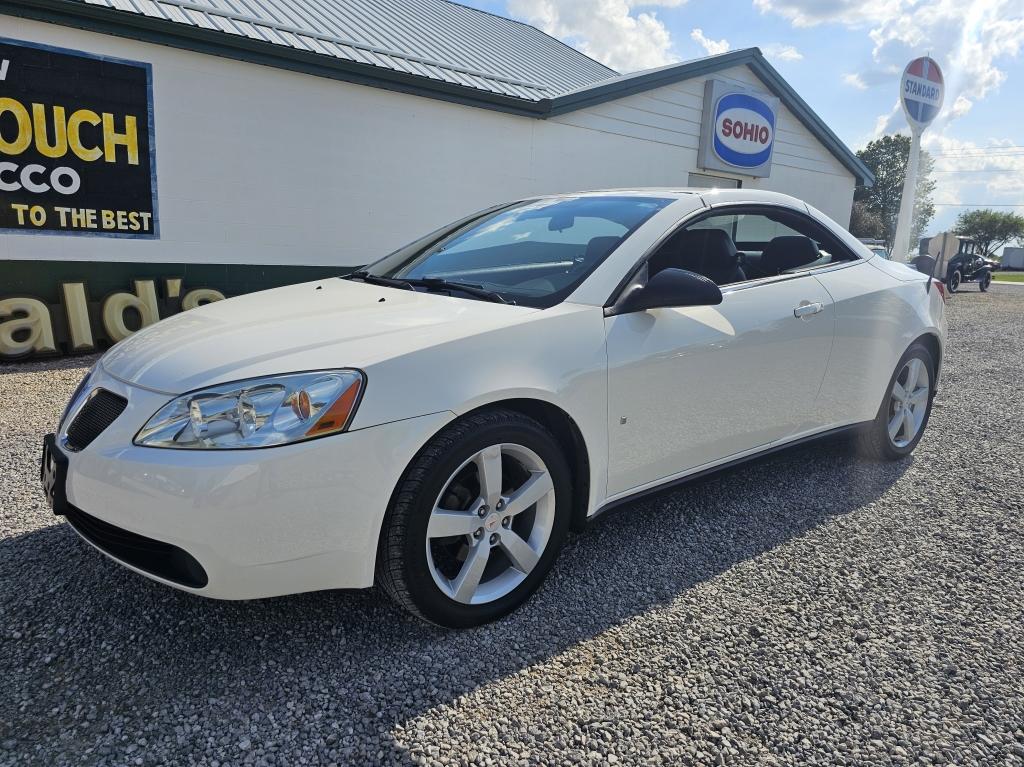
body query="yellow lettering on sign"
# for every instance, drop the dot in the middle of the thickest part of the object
(67, 133)
(23, 139)
(31, 332)
(76, 309)
(75, 138)
(144, 302)
(59, 147)
(112, 139)
(196, 298)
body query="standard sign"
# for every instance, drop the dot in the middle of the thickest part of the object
(76, 143)
(921, 91)
(738, 130)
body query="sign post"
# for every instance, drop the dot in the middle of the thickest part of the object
(921, 93)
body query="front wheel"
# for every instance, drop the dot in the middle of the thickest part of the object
(904, 412)
(953, 283)
(985, 281)
(477, 520)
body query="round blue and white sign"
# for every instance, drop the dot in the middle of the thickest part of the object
(744, 130)
(921, 91)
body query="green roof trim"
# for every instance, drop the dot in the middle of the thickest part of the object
(136, 26)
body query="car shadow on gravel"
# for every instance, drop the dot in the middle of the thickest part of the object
(97, 657)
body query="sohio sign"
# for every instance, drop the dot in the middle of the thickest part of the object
(738, 131)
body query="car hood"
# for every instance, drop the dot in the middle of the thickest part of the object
(328, 324)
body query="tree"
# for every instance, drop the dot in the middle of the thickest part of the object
(990, 229)
(887, 159)
(865, 223)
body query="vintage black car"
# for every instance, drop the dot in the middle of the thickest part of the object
(965, 264)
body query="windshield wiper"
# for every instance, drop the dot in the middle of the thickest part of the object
(439, 283)
(373, 279)
(431, 283)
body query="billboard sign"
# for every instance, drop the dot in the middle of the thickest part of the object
(738, 130)
(77, 151)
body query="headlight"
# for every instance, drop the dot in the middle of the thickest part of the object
(258, 412)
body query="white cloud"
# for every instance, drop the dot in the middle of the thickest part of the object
(855, 81)
(961, 106)
(781, 52)
(611, 31)
(893, 122)
(967, 37)
(712, 47)
(808, 13)
(965, 169)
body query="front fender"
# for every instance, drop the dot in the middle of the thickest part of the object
(556, 356)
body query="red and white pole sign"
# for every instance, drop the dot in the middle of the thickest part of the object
(921, 92)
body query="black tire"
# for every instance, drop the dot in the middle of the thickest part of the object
(402, 568)
(985, 282)
(873, 441)
(954, 281)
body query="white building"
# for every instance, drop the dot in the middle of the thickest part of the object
(244, 144)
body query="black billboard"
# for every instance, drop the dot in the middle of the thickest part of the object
(77, 153)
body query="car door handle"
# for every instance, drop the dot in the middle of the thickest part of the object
(806, 309)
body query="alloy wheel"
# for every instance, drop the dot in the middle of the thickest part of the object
(908, 404)
(490, 524)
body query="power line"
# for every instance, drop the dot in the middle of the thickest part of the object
(983, 153)
(978, 205)
(975, 150)
(995, 147)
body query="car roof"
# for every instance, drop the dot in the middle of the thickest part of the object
(709, 196)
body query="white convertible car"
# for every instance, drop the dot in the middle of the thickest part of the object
(438, 421)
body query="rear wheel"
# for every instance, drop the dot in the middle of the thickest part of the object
(953, 283)
(476, 521)
(904, 412)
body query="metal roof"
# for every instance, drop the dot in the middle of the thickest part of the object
(436, 39)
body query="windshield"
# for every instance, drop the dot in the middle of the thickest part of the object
(533, 253)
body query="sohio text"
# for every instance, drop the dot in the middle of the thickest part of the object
(747, 131)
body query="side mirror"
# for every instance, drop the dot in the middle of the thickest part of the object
(925, 264)
(669, 288)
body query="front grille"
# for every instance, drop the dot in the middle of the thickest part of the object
(149, 555)
(96, 415)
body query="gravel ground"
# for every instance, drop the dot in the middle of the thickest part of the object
(807, 609)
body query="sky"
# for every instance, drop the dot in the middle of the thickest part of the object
(845, 58)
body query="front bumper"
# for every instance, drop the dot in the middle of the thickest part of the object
(260, 522)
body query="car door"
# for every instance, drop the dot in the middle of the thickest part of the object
(693, 386)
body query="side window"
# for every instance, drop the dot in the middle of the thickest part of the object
(747, 245)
